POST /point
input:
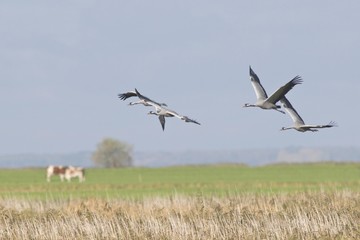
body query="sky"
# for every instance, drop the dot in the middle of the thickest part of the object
(63, 63)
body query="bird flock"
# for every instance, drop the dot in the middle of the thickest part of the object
(263, 101)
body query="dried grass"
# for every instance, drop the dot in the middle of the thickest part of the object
(311, 215)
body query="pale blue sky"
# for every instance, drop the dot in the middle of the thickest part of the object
(62, 64)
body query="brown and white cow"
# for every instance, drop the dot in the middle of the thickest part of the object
(55, 170)
(73, 172)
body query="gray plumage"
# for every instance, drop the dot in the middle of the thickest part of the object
(265, 102)
(163, 112)
(299, 123)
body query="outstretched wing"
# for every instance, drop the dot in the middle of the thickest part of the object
(292, 112)
(148, 100)
(162, 121)
(331, 124)
(281, 92)
(186, 119)
(255, 82)
(124, 96)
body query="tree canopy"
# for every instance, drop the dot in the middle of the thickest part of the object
(113, 153)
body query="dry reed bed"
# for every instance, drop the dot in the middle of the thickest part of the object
(334, 215)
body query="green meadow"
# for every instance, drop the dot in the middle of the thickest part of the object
(218, 180)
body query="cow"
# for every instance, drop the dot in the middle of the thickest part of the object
(55, 170)
(72, 172)
(66, 173)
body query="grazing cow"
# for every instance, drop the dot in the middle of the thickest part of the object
(72, 172)
(55, 170)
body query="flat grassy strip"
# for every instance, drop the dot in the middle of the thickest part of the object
(221, 180)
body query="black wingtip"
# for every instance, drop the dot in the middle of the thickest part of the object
(121, 96)
(252, 73)
(333, 124)
(187, 119)
(297, 80)
(196, 122)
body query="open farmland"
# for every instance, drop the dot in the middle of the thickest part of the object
(188, 180)
(198, 202)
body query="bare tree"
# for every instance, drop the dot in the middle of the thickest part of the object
(112, 153)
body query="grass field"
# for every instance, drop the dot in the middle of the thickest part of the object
(305, 201)
(205, 180)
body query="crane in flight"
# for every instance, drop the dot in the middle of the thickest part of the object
(262, 99)
(299, 123)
